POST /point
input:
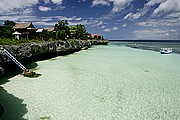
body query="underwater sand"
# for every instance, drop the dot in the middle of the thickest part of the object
(102, 83)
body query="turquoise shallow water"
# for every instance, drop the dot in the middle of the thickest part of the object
(102, 83)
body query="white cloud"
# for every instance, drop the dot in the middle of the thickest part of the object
(100, 2)
(107, 30)
(95, 22)
(149, 34)
(124, 25)
(154, 2)
(46, 19)
(168, 6)
(9, 5)
(128, 16)
(166, 9)
(155, 34)
(79, 18)
(165, 6)
(111, 29)
(103, 27)
(83, 22)
(160, 22)
(100, 23)
(67, 18)
(43, 8)
(115, 28)
(58, 2)
(118, 5)
(18, 18)
(82, 0)
(46, 1)
(173, 15)
(133, 16)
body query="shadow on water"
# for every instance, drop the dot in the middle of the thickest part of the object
(11, 107)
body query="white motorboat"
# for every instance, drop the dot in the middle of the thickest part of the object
(166, 50)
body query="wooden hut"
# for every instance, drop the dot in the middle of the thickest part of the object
(27, 30)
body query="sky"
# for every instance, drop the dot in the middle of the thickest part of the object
(114, 19)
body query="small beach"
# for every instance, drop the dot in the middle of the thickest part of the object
(110, 82)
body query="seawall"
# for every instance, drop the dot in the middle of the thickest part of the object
(29, 52)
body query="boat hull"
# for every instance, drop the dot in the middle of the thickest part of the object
(166, 50)
(162, 52)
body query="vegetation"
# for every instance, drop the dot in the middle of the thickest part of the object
(7, 41)
(79, 32)
(62, 32)
(5, 30)
(62, 29)
(46, 35)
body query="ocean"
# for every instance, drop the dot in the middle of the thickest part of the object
(150, 45)
(105, 82)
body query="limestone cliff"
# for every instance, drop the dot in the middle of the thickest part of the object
(31, 51)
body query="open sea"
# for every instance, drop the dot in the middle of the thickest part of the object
(105, 82)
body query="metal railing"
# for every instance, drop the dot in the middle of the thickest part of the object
(13, 59)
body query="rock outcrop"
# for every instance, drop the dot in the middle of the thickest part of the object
(38, 51)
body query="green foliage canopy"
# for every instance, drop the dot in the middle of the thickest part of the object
(62, 29)
(6, 29)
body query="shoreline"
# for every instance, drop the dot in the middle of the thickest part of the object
(32, 52)
(96, 79)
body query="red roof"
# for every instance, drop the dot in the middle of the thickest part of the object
(93, 35)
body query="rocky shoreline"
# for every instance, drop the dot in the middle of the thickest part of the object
(38, 51)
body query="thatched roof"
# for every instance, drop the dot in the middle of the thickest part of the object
(23, 25)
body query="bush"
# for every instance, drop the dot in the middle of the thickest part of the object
(9, 41)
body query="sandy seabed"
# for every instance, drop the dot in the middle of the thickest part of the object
(101, 83)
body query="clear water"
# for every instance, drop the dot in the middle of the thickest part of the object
(111, 82)
(155, 46)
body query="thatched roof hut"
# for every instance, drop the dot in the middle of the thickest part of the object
(24, 26)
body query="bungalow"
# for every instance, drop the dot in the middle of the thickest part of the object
(24, 30)
(52, 31)
(96, 36)
(45, 33)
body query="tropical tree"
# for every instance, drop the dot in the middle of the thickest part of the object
(6, 29)
(45, 35)
(81, 32)
(62, 29)
(73, 30)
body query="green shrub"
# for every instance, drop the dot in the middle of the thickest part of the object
(10, 41)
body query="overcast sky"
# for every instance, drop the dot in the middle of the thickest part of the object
(114, 19)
